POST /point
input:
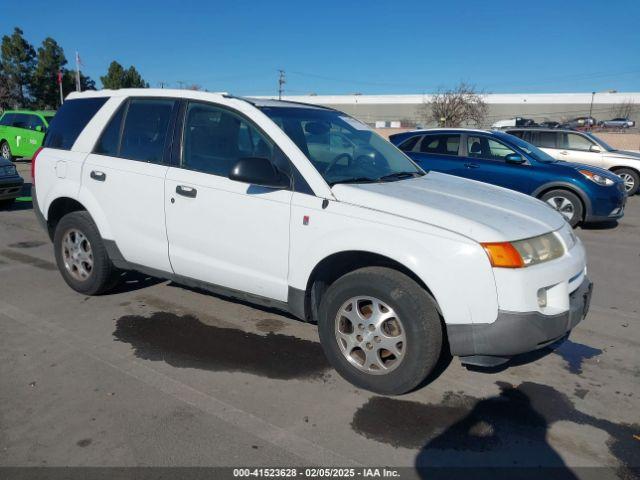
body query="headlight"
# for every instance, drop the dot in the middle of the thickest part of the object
(597, 178)
(524, 253)
(9, 170)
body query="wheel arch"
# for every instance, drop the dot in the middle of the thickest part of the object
(58, 208)
(547, 187)
(305, 303)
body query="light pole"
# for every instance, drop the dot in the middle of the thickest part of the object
(593, 94)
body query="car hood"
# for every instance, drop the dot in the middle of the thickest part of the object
(623, 154)
(581, 166)
(482, 212)
(4, 162)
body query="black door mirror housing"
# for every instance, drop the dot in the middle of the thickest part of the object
(259, 171)
(515, 158)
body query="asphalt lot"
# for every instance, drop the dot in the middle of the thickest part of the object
(160, 375)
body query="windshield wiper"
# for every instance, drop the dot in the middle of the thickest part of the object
(399, 176)
(355, 180)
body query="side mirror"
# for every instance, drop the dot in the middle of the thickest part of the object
(259, 171)
(39, 128)
(595, 148)
(514, 158)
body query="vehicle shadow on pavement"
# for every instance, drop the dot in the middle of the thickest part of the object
(606, 225)
(131, 281)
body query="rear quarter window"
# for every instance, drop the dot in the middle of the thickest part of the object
(70, 120)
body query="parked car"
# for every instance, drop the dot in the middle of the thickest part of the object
(581, 193)
(22, 131)
(580, 122)
(514, 122)
(588, 149)
(393, 263)
(10, 182)
(617, 123)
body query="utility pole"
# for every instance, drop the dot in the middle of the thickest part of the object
(161, 84)
(281, 81)
(180, 84)
(593, 94)
(78, 89)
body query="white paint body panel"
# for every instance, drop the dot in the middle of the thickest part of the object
(254, 240)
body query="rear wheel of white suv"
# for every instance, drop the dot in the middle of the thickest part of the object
(81, 256)
(380, 330)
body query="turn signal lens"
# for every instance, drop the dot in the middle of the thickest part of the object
(503, 255)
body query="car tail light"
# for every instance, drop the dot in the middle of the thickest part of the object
(33, 166)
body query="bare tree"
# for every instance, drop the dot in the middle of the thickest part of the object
(194, 86)
(625, 109)
(461, 105)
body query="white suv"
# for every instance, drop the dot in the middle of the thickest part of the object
(306, 209)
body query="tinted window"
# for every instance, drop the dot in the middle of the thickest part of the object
(21, 120)
(145, 129)
(573, 141)
(70, 120)
(487, 148)
(440, 144)
(544, 139)
(109, 143)
(409, 144)
(7, 119)
(215, 139)
(35, 121)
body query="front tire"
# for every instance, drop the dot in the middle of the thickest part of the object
(631, 180)
(566, 203)
(81, 256)
(380, 330)
(5, 151)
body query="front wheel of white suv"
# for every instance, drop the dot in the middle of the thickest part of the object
(380, 330)
(81, 256)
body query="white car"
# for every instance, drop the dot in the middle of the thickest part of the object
(585, 147)
(225, 193)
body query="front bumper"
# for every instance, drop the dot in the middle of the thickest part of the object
(514, 333)
(10, 187)
(608, 205)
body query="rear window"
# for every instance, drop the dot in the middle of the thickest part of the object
(70, 120)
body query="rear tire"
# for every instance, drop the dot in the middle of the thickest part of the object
(7, 203)
(81, 256)
(567, 203)
(409, 325)
(631, 179)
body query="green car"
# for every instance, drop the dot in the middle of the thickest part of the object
(22, 132)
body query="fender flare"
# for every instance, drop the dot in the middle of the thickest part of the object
(586, 201)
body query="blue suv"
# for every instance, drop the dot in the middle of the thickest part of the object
(581, 193)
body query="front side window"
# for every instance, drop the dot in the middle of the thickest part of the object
(214, 139)
(34, 122)
(342, 149)
(145, 129)
(574, 141)
(440, 144)
(487, 148)
(7, 120)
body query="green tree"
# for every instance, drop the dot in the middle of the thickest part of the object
(69, 82)
(117, 77)
(17, 62)
(44, 85)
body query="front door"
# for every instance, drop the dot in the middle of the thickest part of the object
(576, 148)
(220, 231)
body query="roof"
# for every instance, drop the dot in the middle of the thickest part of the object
(448, 129)
(39, 112)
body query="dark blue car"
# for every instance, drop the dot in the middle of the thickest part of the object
(581, 193)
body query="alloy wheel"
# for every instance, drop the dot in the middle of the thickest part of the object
(629, 181)
(370, 335)
(563, 205)
(77, 255)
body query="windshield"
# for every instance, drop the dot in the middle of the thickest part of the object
(600, 142)
(531, 150)
(341, 148)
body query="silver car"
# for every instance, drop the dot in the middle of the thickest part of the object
(585, 147)
(617, 123)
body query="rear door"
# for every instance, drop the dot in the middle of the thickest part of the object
(486, 162)
(125, 174)
(439, 152)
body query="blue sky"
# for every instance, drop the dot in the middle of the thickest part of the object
(334, 46)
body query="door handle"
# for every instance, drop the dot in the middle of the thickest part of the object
(471, 165)
(99, 176)
(186, 191)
